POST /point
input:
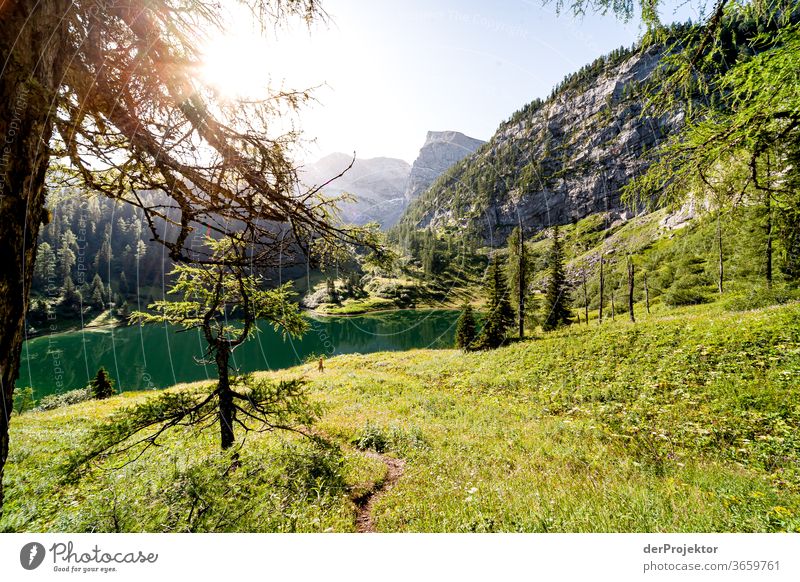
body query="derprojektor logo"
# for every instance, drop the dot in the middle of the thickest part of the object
(31, 555)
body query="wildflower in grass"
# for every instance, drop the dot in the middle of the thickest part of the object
(781, 511)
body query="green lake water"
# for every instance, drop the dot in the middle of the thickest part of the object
(154, 356)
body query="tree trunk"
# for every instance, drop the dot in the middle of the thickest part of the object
(769, 240)
(521, 289)
(602, 284)
(585, 298)
(721, 265)
(613, 311)
(308, 274)
(33, 51)
(226, 411)
(630, 290)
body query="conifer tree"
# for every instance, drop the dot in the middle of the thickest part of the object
(557, 299)
(102, 385)
(465, 328)
(208, 299)
(500, 318)
(333, 294)
(71, 299)
(98, 292)
(124, 289)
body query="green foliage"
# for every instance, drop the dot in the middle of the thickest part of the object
(500, 315)
(53, 401)
(394, 438)
(71, 300)
(433, 252)
(114, 236)
(102, 386)
(97, 293)
(333, 293)
(760, 297)
(272, 486)
(755, 126)
(213, 297)
(466, 328)
(372, 438)
(681, 264)
(684, 296)
(262, 404)
(690, 283)
(23, 400)
(581, 79)
(789, 229)
(557, 300)
(353, 285)
(689, 417)
(358, 306)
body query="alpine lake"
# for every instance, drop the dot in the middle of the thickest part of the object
(152, 357)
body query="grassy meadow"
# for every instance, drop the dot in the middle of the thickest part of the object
(684, 421)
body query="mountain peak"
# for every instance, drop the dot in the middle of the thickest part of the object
(448, 136)
(441, 150)
(556, 160)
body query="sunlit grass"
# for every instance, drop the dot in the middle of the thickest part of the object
(684, 421)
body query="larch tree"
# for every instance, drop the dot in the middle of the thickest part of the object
(109, 97)
(224, 302)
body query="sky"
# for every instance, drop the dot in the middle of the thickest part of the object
(386, 72)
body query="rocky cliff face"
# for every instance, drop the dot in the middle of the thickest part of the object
(376, 183)
(441, 150)
(382, 187)
(554, 161)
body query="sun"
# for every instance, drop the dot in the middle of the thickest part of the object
(234, 66)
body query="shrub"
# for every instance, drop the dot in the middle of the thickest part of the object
(307, 469)
(761, 297)
(23, 400)
(394, 438)
(64, 399)
(372, 438)
(684, 296)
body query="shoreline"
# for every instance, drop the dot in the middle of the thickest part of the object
(75, 327)
(109, 322)
(370, 312)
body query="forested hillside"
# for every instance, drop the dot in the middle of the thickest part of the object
(93, 253)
